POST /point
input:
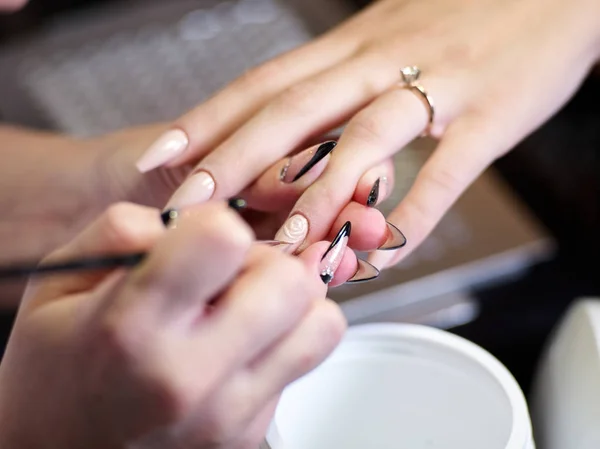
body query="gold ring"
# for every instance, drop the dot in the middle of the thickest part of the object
(410, 77)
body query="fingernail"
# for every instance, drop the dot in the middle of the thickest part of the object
(294, 230)
(333, 256)
(364, 273)
(197, 189)
(237, 204)
(395, 238)
(168, 216)
(374, 194)
(303, 162)
(166, 148)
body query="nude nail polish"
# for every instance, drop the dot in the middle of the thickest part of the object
(294, 230)
(197, 189)
(167, 147)
(305, 161)
(333, 256)
(395, 238)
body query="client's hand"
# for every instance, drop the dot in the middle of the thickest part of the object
(190, 349)
(495, 70)
(271, 197)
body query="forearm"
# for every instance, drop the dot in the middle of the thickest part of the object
(46, 190)
(47, 193)
(52, 185)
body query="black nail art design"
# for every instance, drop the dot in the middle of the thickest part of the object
(374, 194)
(168, 216)
(395, 238)
(237, 204)
(333, 256)
(364, 273)
(321, 152)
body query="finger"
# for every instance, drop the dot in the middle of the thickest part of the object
(205, 127)
(303, 350)
(309, 108)
(297, 353)
(123, 228)
(369, 227)
(267, 300)
(376, 133)
(194, 262)
(283, 183)
(441, 181)
(313, 257)
(280, 186)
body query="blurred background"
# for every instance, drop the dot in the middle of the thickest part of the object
(500, 269)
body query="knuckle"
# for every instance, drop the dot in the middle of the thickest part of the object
(227, 232)
(298, 99)
(118, 230)
(123, 342)
(366, 128)
(443, 181)
(261, 75)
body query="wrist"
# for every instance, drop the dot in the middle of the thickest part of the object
(46, 192)
(116, 176)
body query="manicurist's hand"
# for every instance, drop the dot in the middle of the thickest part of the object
(189, 349)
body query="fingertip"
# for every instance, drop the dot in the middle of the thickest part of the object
(369, 228)
(313, 254)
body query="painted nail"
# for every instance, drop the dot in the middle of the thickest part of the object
(237, 204)
(374, 194)
(166, 148)
(294, 230)
(197, 189)
(395, 238)
(168, 216)
(303, 162)
(364, 273)
(333, 256)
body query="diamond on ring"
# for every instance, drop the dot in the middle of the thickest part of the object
(410, 74)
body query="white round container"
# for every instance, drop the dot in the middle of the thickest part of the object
(395, 386)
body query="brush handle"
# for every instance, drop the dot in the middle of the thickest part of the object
(84, 264)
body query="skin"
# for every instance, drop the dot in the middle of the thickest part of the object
(53, 186)
(167, 354)
(495, 69)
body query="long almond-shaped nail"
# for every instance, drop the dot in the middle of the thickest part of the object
(166, 148)
(395, 239)
(333, 256)
(294, 230)
(197, 189)
(365, 272)
(305, 161)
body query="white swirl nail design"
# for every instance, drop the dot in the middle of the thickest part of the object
(294, 230)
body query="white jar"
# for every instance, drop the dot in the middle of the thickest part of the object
(395, 386)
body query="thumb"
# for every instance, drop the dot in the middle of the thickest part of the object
(123, 228)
